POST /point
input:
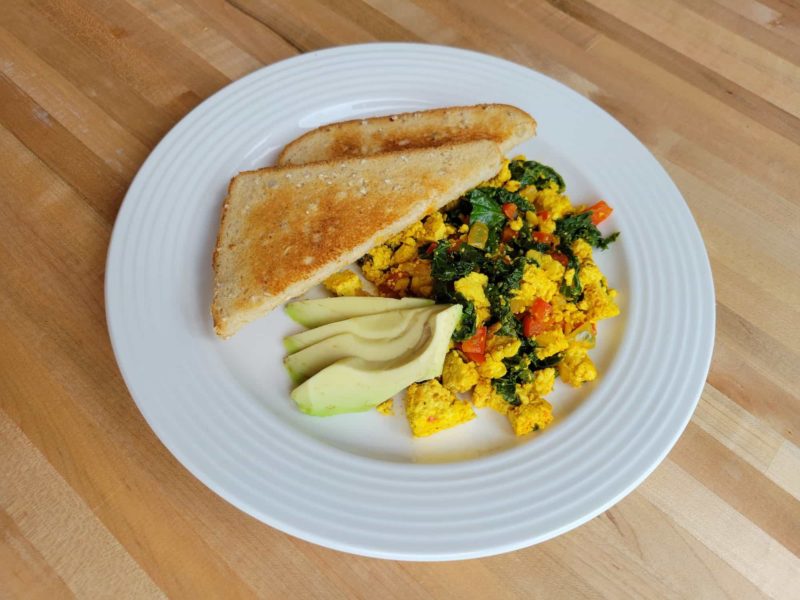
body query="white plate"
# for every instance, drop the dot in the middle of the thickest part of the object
(359, 483)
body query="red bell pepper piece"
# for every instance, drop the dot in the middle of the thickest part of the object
(477, 343)
(510, 210)
(542, 237)
(600, 212)
(508, 234)
(536, 319)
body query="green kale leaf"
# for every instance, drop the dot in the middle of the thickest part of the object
(503, 196)
(573, 291)
(580, 226)
(520, 369)
(530, 172)
(501, 312)
(485, 208)
(507, 388)
(537, 364)
(448, 264)
(506, 276)
(467, 326)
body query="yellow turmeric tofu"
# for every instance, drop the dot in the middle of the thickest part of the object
(345, 283)
(458, 375)
(430, 408)
(386, 407)
(530, 417)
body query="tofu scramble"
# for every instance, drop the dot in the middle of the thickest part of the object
(517, 255)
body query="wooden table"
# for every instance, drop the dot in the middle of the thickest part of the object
(92, 505)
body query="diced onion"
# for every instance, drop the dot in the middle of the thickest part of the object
(478, 235)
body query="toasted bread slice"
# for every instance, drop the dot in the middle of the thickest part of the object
(285, 229)
(506, 125)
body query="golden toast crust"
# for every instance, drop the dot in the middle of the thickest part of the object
(506, 125)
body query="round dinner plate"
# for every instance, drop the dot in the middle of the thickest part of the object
(360, 483)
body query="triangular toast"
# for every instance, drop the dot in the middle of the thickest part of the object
(506, 125)
(285, 229)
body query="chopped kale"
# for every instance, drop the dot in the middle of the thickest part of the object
(486, 210)
(572, 228)
(501, 312)
(520, 369)
(444, 293)
(503, 196)
(507, 388)
(504, 280)
(542, 247)
(517, 367)
(537, 364)
(580, 226)
(524, 242)
(467, 326)
(513, 278)
(506, 276)
(472, 255)
(516, 372)
(498, 196)
(574, 290)
(449, 264)
(606, 241)
(530, 172)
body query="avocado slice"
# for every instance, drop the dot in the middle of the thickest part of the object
(355, 384)
(306, 362)
(313, 313)
(381, 325)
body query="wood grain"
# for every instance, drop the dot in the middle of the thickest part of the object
(92, 505)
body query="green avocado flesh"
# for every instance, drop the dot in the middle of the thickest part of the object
(306, 362)
(355, 384)
(379, 326)
(313, 313)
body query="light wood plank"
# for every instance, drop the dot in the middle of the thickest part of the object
(206, 42)
(751, 551)
(734, 57)
(89, 560)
